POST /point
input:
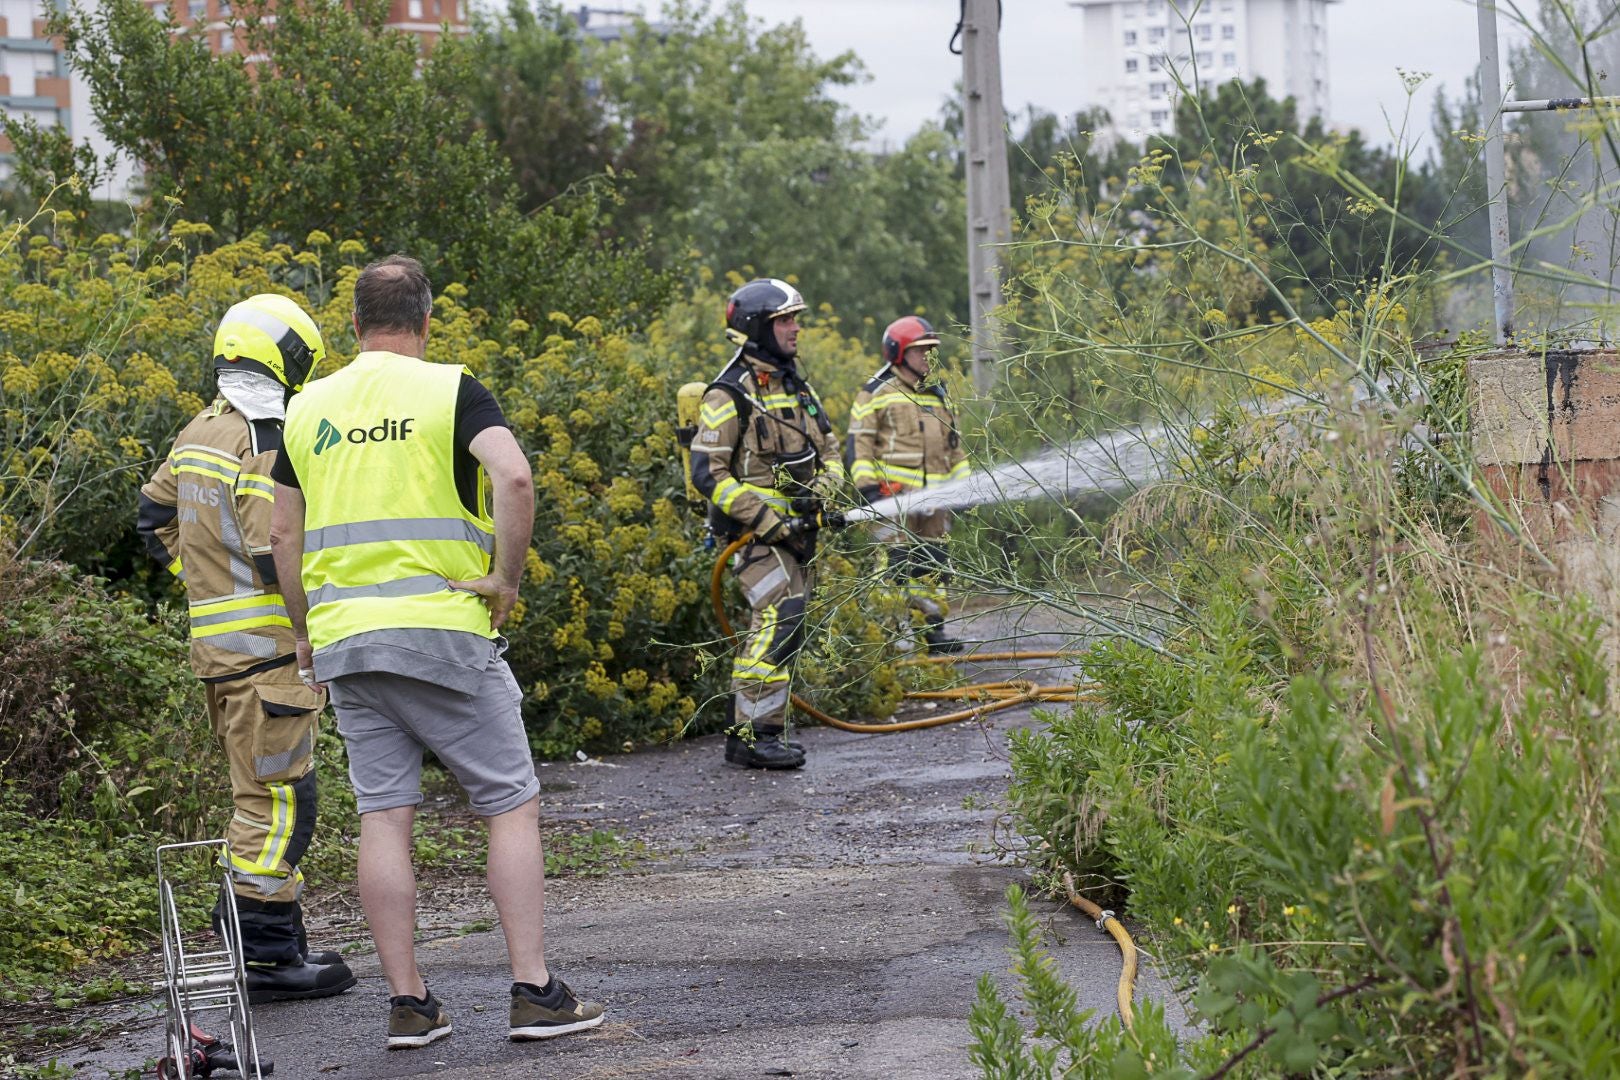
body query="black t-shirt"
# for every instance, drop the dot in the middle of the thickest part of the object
(476, 410)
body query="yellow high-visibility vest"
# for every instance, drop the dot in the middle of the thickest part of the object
(384, 529)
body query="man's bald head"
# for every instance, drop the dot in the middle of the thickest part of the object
(392, 296)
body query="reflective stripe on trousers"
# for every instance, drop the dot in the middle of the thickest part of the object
(774, 583)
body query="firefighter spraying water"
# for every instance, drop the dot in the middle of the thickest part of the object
(772, 514)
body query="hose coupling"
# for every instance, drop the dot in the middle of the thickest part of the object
(1102, 921)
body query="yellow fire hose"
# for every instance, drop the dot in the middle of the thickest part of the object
(1105, 920)
(994, 696)
(997, 695)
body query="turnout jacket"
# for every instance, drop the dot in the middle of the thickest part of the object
(205, 515)
(901, 439)
(758, 445)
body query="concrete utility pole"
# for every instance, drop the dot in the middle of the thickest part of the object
(1490, 100)
(988, 200)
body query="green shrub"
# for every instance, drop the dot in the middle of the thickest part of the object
(76, 895)
(105, 352)
(99, 711)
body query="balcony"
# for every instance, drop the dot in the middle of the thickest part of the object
(56, 88)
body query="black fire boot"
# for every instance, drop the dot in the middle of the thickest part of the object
(731, 726)
(765, 750)
(295, 981)
(273, 951)
(938, 641)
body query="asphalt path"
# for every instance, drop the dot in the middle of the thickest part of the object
(830, 922)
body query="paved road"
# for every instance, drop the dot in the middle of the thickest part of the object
(825, 923)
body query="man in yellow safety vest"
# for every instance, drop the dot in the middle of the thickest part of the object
(205, 515)
(403, 512)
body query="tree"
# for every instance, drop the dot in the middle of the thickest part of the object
(533, 99)
(740, 153)
(335, 130)
(342, 128)
(1321, 232)
(1049, 152)
(48, 165)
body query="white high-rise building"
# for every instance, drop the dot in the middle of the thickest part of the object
(1132, 53)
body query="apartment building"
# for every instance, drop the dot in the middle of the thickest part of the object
(215, 19)
(35, 83)
(35, 80)
(1133, 52)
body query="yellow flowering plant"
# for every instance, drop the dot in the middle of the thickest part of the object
(105, 351)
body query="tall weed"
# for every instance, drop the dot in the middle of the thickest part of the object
(1356, 786)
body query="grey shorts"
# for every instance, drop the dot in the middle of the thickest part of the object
(386, 720)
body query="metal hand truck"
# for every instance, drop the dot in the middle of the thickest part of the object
(199, 981)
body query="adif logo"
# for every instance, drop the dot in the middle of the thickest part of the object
(327, 435)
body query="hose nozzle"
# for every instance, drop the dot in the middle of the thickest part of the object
(821, 519)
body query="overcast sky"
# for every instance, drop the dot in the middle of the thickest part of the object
(903, 45)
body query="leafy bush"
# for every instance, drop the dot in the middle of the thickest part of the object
(347, 130)
(105, 353)
(75, 896)
(98, 709)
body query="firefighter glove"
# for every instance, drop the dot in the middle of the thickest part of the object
(775, 532)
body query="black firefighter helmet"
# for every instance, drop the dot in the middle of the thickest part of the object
(751, 308)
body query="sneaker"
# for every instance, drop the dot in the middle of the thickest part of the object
(416, 1022)
(547, 1015)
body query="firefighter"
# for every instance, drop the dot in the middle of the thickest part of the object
(765, 457)
(903, 437)
(206, 516)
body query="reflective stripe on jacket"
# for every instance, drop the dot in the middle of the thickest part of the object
(384, 528)
(901, 439)
(734, 464)
(205, 515)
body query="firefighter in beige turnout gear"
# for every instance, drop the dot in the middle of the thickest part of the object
(765, 457)
(206, 516)
(903, 437)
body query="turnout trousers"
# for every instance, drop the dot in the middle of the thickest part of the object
(917, 570)
(266, 723)
(775, 583)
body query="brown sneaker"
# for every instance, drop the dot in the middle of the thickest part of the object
(416, 1022)
(556, 1012)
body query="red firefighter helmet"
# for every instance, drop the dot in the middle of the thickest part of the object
(903, 333)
